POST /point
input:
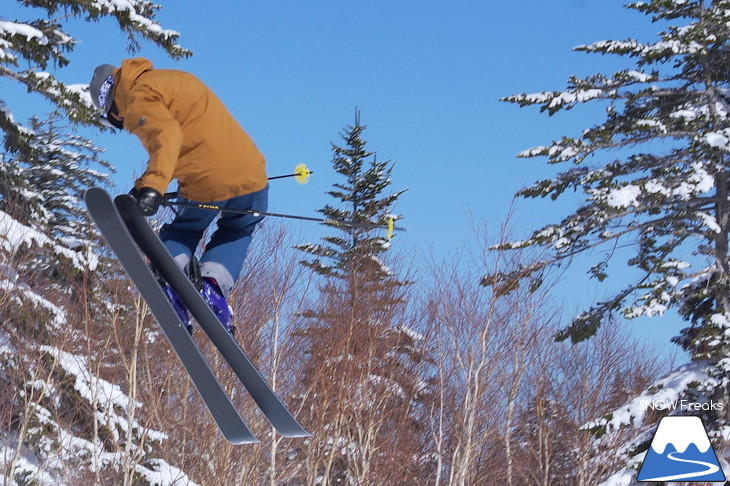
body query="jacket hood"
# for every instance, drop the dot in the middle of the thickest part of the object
(126, 77)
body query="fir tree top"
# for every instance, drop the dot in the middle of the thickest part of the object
(361, 201)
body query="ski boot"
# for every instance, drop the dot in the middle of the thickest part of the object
(217, 302)
(182, 311)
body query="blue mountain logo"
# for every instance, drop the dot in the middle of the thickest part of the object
(681, 451)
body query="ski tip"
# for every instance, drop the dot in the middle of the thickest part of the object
(246, 437)
(299, 433)
(304, 435)
(245, 441)
(241, 438)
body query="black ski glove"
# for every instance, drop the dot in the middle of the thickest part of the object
(148, 201)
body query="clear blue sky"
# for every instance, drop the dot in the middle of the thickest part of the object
(426, 76)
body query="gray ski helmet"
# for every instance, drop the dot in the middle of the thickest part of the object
(101, 87)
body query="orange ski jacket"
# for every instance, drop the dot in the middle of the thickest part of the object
(188, 132)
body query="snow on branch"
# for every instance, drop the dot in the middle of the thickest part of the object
(137, 16)
(138, 12)
(613, 47)
(666, 391)
(14, 235)
(553, 101)
(9, 29)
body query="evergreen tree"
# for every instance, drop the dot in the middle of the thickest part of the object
(654, 177)
(45, 190)
(351, 260)
(28, 48)
(361, 368)
(52, 310)
(356, 250)
(45, 166)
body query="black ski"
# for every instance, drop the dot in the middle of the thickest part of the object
(148, 241)
(109, 222)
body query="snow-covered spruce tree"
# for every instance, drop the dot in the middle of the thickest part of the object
(30, 47)
(57, 424)
(361, 360)
(655, 179)
(45, 168)
(45, 190)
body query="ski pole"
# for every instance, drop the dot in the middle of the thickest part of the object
(390, 226)
(301, 174)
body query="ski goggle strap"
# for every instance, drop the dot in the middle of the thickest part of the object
(104, 90)
(104, 102)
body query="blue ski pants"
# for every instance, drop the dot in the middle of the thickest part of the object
(224, 254)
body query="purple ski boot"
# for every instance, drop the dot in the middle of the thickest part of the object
(181, 310)
(217, 302)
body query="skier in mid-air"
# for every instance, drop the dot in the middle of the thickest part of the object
(191, 137)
